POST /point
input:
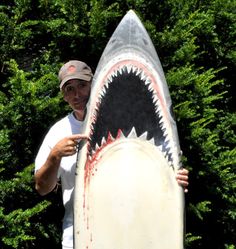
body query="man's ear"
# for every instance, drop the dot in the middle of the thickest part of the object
(65, 99)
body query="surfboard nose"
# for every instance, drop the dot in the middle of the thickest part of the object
(130, 33)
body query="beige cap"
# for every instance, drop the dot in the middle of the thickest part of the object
(74, 70)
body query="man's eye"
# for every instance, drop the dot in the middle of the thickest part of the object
(69, 89)
(81, 85)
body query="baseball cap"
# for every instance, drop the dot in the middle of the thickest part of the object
(74, 69)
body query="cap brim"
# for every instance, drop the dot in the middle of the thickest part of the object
(75, 76)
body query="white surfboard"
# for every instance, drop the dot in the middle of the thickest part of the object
(126, 194)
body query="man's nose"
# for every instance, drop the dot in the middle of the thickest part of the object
(77, 92)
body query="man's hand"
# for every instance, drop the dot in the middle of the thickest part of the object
(182, 178)
(67, 146)
(46, 176)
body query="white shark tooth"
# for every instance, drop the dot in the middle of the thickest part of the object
(101, 96)
(147, 81)
(160, 115)
(94, 116)
(134, 70)
(163, 129)
(171, 164)
(129, 68)
(158, 108)
(167, 140)
(120, 70)
(165, 132)
(132, 133)
(162, 121)
(161, 125)
(97, 104)
(150, 88)
(138, 71)
(99, 100)
(93, 152)
(110, 137)
(160, 147)
(152, 141)
(120, 134)
(143, 136)
(165, 154)
(115, 73)
(157, 111)
(170, 158)
(171, 153)
(103, 141)
(96, 108)
(95, 111)
(168, 145)
(103, 91)
(109, 80)
(143, 76)
(97, 146)
(155, 99)
(155, 102)
(92, 128)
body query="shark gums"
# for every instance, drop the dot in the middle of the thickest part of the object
(126, 194)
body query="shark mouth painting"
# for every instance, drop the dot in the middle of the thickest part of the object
(126, 195)
(134, 112)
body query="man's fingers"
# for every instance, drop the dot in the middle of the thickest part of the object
(183, 171)
(182, 182)
(182, 178)
(78, 136)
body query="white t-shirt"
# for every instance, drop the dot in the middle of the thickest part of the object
(65, 127)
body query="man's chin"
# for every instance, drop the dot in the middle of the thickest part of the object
(80, 106)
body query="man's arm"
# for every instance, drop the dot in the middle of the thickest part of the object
(46, 176)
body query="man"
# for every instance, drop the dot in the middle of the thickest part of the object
(57, 155)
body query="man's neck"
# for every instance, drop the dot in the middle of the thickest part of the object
(79, 114)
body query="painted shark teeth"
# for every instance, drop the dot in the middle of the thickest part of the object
(132, 134)
(167, 148)
(144, 136)
(129, 68)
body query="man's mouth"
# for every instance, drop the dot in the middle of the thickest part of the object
(80, 101)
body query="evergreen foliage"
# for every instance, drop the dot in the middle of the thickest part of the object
(195, 41)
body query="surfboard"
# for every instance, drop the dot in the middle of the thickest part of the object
(126, 195)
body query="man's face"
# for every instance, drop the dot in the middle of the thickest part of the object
(76, 93)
